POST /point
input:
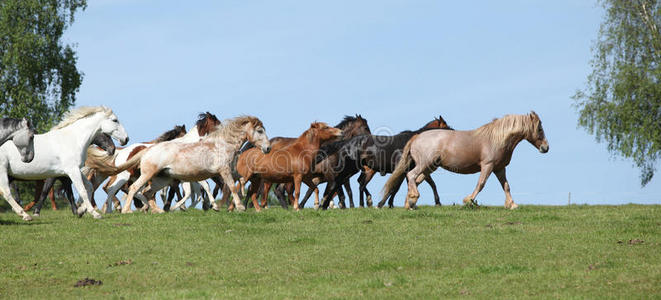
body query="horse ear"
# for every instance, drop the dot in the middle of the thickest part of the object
(183, 127)
(533, 115)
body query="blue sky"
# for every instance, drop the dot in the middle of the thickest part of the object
(398, 63)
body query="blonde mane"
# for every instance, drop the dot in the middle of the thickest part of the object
(231, 130)
(500, 130)
(78, 113)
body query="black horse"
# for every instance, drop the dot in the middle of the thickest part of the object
(370, 154)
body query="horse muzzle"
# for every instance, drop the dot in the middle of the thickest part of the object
(27, 157)
(266, 149)
(125, 141)
(544, 148)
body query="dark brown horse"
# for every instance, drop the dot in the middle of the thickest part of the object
(486, 149)
(367, 153)
(289, 164)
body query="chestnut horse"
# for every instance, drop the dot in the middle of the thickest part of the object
(486, 149)
(351, 127)
(289, 164)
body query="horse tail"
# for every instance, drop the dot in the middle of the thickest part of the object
(106, 166)
(404, 165)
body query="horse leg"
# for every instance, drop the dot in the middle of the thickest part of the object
(368, 175)
(227, 177)
(188, 191)
(413, 194)
(5, 191)
(308, 193)
(280, 194)
(84, 187)
(298, 178)
(484, 175)
(42, 189)
(265, 194)
(432, 184)
(37, 193)
(68, 192)
(509, 203)
(111, 189)
(145, 174)
(341, 198)
(172, 191)
(17, 193)
(347, 187)
(226, 194)
(210, 197)
(331, 189)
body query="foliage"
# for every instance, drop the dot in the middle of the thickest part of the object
(38, 74)
(621, 104)
(431, 253)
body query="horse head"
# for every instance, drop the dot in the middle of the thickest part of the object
(24, 140)
(536, 135)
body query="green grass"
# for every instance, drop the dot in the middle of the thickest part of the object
(549, 252)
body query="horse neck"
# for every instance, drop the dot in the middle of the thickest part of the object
(81, 131)
(7, 134)
(191, 136)
(512, 139)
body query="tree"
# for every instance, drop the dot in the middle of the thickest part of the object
(621, 104)
(38, 74)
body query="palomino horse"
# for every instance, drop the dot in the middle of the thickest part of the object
(350, 126)
(384, 152)
(45, 187)
(363, 153)
(212, 155)
(485, 150)
(289, 164)
(21, 133)
(61, 151)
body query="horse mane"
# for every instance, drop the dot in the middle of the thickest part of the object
(231, 130)
(347, 120)
(170, 134)
(11, 123)
(81, 112)
(202, 119)
(499, 130)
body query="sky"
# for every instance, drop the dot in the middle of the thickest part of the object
(399, 64)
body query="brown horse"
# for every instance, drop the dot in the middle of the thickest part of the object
(289, 164)
(351, 127)
(485, 150)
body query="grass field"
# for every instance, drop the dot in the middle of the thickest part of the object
(576, 251)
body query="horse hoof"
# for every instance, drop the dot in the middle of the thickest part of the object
(513, 206)
(36, 215)
(97, 216)
(241, 208)
(27, 217)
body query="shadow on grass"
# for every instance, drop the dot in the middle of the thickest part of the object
(18, 223)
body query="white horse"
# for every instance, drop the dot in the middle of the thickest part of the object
(104, 163)
(213, 155)
(61, 151)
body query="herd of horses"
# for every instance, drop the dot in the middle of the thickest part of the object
(80, 152)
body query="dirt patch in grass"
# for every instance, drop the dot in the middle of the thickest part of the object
(87, 282)
(632, 242)
(121, 263)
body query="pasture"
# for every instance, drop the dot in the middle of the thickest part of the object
(535, 251)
